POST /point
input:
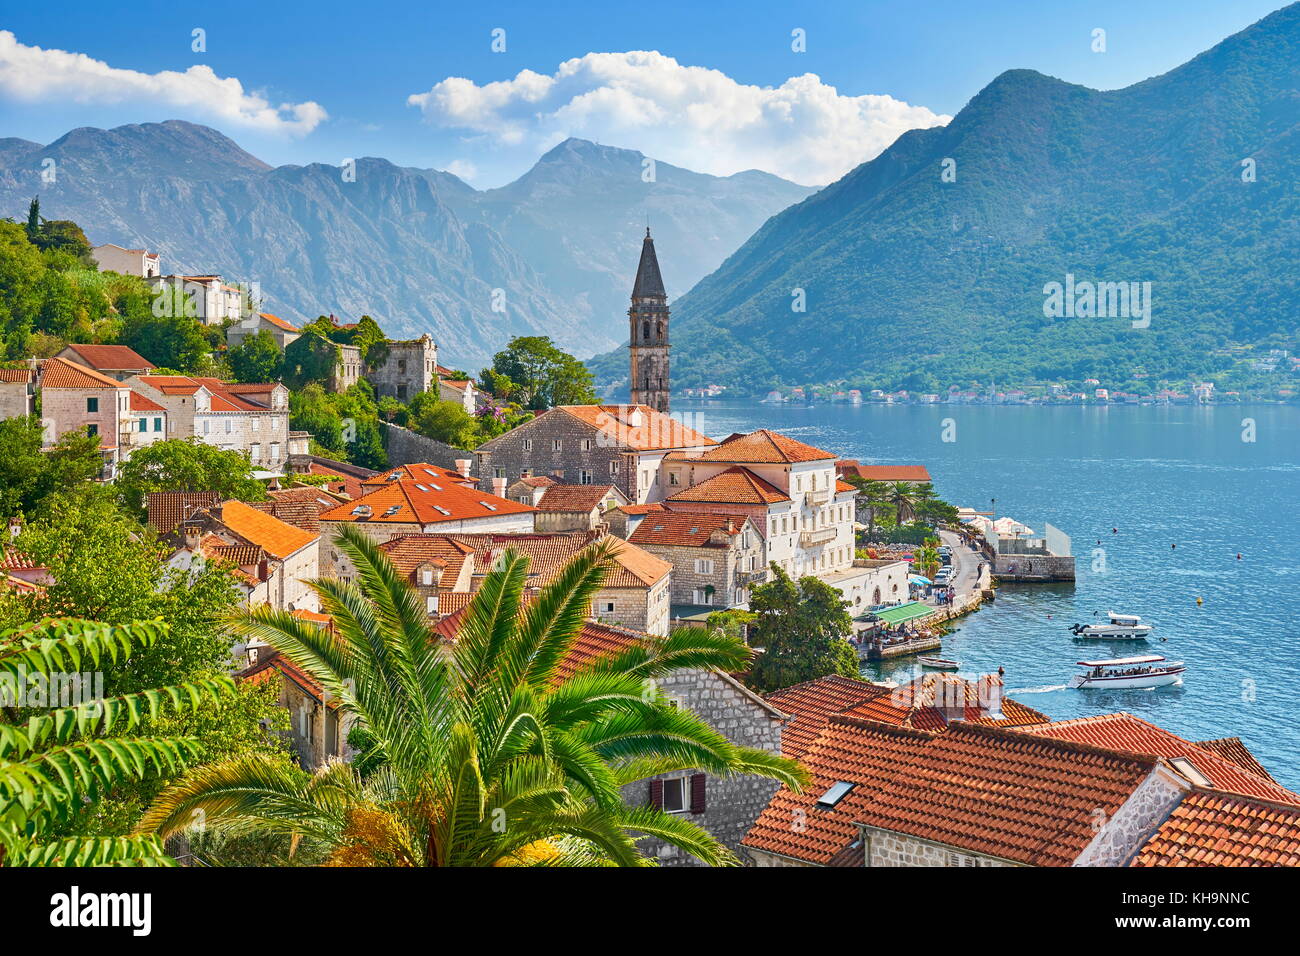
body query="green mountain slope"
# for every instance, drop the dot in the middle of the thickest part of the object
(911, 281)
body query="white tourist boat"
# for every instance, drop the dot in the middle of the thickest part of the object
(1119, 627)
(1151, 670)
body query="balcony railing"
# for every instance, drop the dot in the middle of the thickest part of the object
(809, 539)
(815, 499)
(749, 579)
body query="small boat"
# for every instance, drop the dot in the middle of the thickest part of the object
(938, 664)
(1148, 671)
(1120, 627)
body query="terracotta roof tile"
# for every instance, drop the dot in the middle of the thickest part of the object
(277, 537)
(142, 403)
(655, 432)
(1232, 748)
(764, 446)
(1132, 734)
(167, 509)
(304, 515)
(16, 375)
(278, 322)
(410, 551)
(407, 501)
(812, 704)
(736, 485)
(421, 471)
(1213, 828)
(574, 498)
(112, 358)
(60, 373)
(932, 700)
(687, 529)
(976, 788)
(913, 473)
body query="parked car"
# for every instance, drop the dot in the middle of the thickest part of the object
(944, 576)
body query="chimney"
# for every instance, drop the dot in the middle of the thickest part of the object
(634, 417)
(462, 466)
(263, 569)
(989, 692)
(499, 487)
(15, 526)
(191, 533)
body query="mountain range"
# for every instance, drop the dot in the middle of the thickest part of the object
(419, 250)
(931, 265)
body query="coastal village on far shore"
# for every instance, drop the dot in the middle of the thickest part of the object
(944, 769)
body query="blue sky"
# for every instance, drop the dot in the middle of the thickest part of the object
(337, 77)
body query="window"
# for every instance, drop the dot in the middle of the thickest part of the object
(92, 429)
(275, 451)
(674, 795)
(584, 476)
(613, 468)
(837, 792)
(207, 426)
(703, 565)
(528, 444)
(431, 604)
(587, 444)
(673, 479)
(499, 472)
(426, 577)
(606, 607)
(157, 424)
(257, 424)
(229, 425)
(144, 424)
(556, 444)
(701, 597)
(255, 452)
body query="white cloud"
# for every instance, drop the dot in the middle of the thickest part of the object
(31, 74)
(691, 116)
(463, 169)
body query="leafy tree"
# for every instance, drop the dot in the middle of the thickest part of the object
(256, 359)
(344, 426)
(447, 422)
(902, 495)
(28, 474)
(186, 464)
(310, 358)
(543, 375)
(58, 760)
(490, 723)
(801, 627)
(172, 341)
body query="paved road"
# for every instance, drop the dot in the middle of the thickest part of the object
(965, 560)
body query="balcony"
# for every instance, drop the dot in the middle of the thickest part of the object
(749, 579)
(810, 539)
(815, 499)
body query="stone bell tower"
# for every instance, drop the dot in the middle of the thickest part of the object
(648, 321)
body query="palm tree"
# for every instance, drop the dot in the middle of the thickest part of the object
(55, 761)
(902, 495)
(927, 558)
(482, 752)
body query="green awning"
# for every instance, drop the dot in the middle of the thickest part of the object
(904, 612)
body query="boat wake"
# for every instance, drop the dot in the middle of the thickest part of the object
(1038, 690)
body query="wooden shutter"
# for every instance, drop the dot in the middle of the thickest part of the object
(657, 794)
(697, 792)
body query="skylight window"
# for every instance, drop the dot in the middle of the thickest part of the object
(430, 472)
(488, 506)
(1188, 770)
(422, 487)
(834, 795)
(393, 510)
(441, 510)
(435, 487)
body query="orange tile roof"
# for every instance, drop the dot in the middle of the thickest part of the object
(932, 700)
(573, 498)
(736, 485)
(1213, 828)
(226, 396)
(407, 501)
(656, 432)
(348, 484)
(116, 358)
(812, 704)
(15, 375)
(539, 481)
(842, 485)
(409, 551)
(1232, 748)
(278, 322)
(650, 508)
(764, 446)
(635, 568)
(301, 514)
(549, 552)
(1133, 735)
(913, 473)
(142, 403)
(686, 529)
(279, 538)
(272, 662)
(976, 788)
(167, 509)
(60, 373)
(422, 471)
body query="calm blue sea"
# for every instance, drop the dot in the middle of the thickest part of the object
(1163, 477)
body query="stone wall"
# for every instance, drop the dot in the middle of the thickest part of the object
(405, 446)
(885, 848)
(404, 369)
(15, 399)
(733, 804)
(1033, 567)
(531, 448)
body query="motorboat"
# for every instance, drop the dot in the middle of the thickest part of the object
(1119, 627)
(938, 664)
(1151, 670)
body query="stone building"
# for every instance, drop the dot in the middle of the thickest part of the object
(318, 727)
(74, 397)
(17, 392)
(573, 507)
(716, 559)
(622, 445)
(399, 370)
(128, 262)
(648, 333)
(284, 332)
(115, 361)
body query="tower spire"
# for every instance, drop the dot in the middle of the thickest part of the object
(648, 328)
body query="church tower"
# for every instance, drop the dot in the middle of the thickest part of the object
(648, 319)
